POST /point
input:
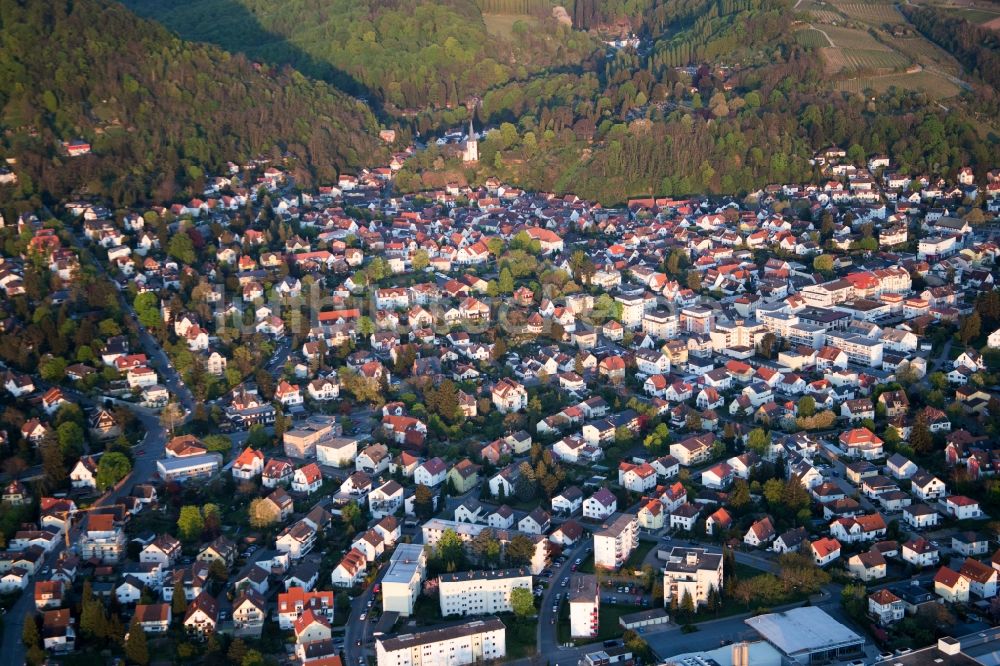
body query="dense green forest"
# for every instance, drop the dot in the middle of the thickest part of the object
(406, 54)
(719, 98)
(157, 110)
(638, 125)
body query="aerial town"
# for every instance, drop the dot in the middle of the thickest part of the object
(483, 425)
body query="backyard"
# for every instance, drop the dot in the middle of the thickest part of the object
(608, 626)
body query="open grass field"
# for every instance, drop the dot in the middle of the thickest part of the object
(502, 25)
(936, 87)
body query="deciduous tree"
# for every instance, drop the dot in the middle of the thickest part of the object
(112, 468)
(190, 523)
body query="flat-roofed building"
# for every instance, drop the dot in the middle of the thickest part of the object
(827, 319)
(808, 635)
(453, 645)
(401, 583)
(336, 451)
(480, 592)
(190, 467)
(693, 571)
(301, 440)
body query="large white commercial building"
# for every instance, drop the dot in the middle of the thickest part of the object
(401, 583)
(454, 645)
(480, 592)
(808, 635)
(584, 606)
(189, 467)
(614, 542)
(694, 571)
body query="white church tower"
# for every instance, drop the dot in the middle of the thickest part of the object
(471, 152)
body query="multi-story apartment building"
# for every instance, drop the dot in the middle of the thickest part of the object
(401, 583)
(859, 349)
(828, 293)
(729, 337)
(696, 319)
(584, 606)
(613, 543)
(480, 592)
(660, 324)
(633, 309)
(454, 645)
(693, 571)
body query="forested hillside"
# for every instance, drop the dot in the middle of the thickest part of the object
(976, 47)
(407, 54)
(157, 110)
(755, 116)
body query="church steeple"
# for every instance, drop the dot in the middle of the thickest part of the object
(471, 152)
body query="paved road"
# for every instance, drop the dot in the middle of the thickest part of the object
(154, 352)
(547, 640)
(357, 629)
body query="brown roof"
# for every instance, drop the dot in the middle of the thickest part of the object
(976, 571)
(152, 612)
(947, 577)
(883, 597)
(205, 603)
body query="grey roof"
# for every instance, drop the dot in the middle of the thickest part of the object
(493, 574)
(404, 563)
(802, 631)
(441, 633)
(583, 588)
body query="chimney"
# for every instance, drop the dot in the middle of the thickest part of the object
(949, 646)
(741, 654)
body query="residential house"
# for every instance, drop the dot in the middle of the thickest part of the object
(867, 566)
(824, 550)
(760, 533)
(951, 586)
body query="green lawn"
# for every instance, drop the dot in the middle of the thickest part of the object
(608, 626)
(521, 637)
(502, 25)
(427, 610)
(638, 555)
(633, 563)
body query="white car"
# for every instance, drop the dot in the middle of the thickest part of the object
(363, 617)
